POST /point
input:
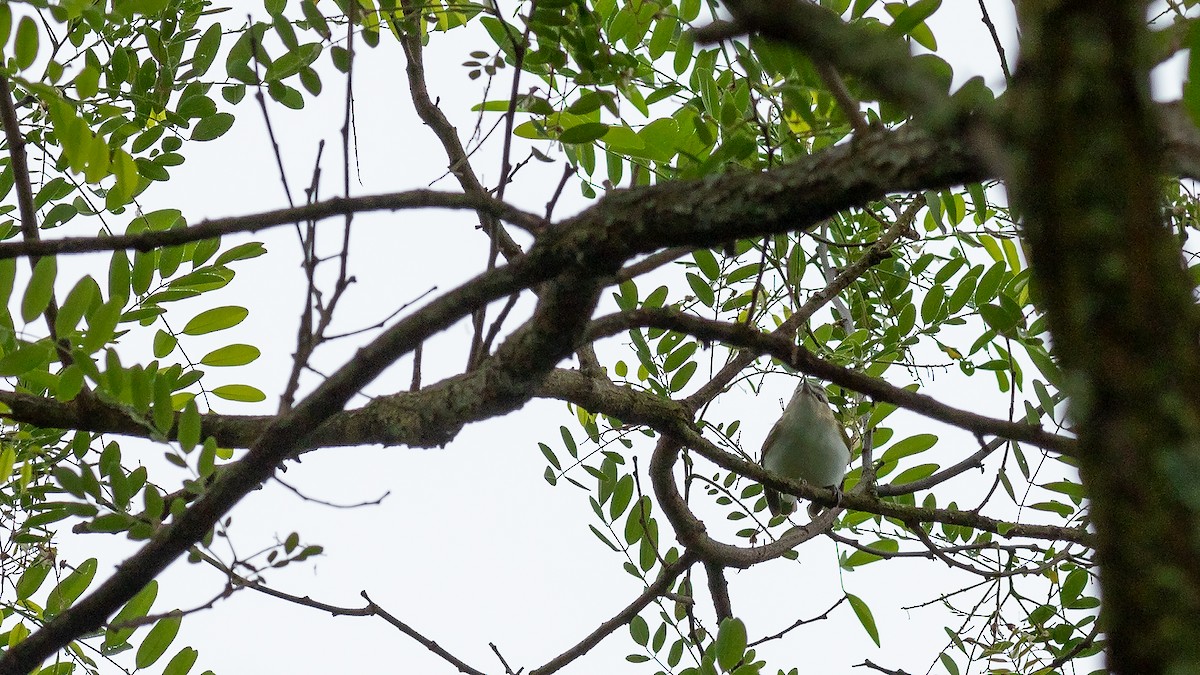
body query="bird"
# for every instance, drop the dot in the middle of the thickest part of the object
(807, 443)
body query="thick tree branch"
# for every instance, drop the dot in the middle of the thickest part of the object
(1121, 309)
(801, 359)
(844, 176)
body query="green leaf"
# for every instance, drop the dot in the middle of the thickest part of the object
(932, 304)
(290, 97)
(702, 289)
(102, 325)
(125, 170)
(5, 24)
(679, 356)
(681, 377)
(233, 93)
(909, 446)
(731, 643)
(182, 662)
(31, 579)
(315, 19)
(907, 319)
(639, 631)
(144, 264)
(8, 275)
(8, 459)
(549, 455)
(633, 523)
(163, 411)
(245, 251)
(87, 82)
(231, 355)
(79, 300)
(189, 427)
(218, 318)
(601, 537)
(161, 220)
(197, 107)
(40, 290)
(164, 343)
(119, 276)
(859, 558)
(157, 641)
(707, 263)
(915, 473)
(584, 133)
(26, 46)
(1045, 364)
(861, 7)
(144, 7)
(24, 359)
(864, 616)
(660, 638)
(111, 523)
(1054, 507)
(206, 50)
(212, 127)
(989, 283)
(70, 383)
(1073, 587)
(293, 62)
(621, 496)
(999, 318)
(70, 588)
(239, 392)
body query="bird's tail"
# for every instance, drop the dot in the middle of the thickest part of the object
(780, 504)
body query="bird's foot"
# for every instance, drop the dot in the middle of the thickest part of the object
(815, 509)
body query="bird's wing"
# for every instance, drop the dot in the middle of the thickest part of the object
(770, 440)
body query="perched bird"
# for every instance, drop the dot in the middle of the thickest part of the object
(806, 443)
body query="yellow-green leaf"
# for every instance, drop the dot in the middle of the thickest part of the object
(864, 616)
(731, 643)
(26, 46)
(239, 392)
(40, 290)
(215, 319)
(157, 641)
(231, 355)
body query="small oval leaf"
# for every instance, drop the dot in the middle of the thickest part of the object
(231, 355)
(239, 392)
(215, 319)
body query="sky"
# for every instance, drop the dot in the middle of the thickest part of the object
(471, 546)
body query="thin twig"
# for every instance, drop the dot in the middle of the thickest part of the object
(262, 105)
(426, 642)
(357, 505)
(665, 579)
(25, 203)
(820, 617)
(987, 21)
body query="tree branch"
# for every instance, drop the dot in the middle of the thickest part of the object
(801, 359)
(660, 586)
(335, 206)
